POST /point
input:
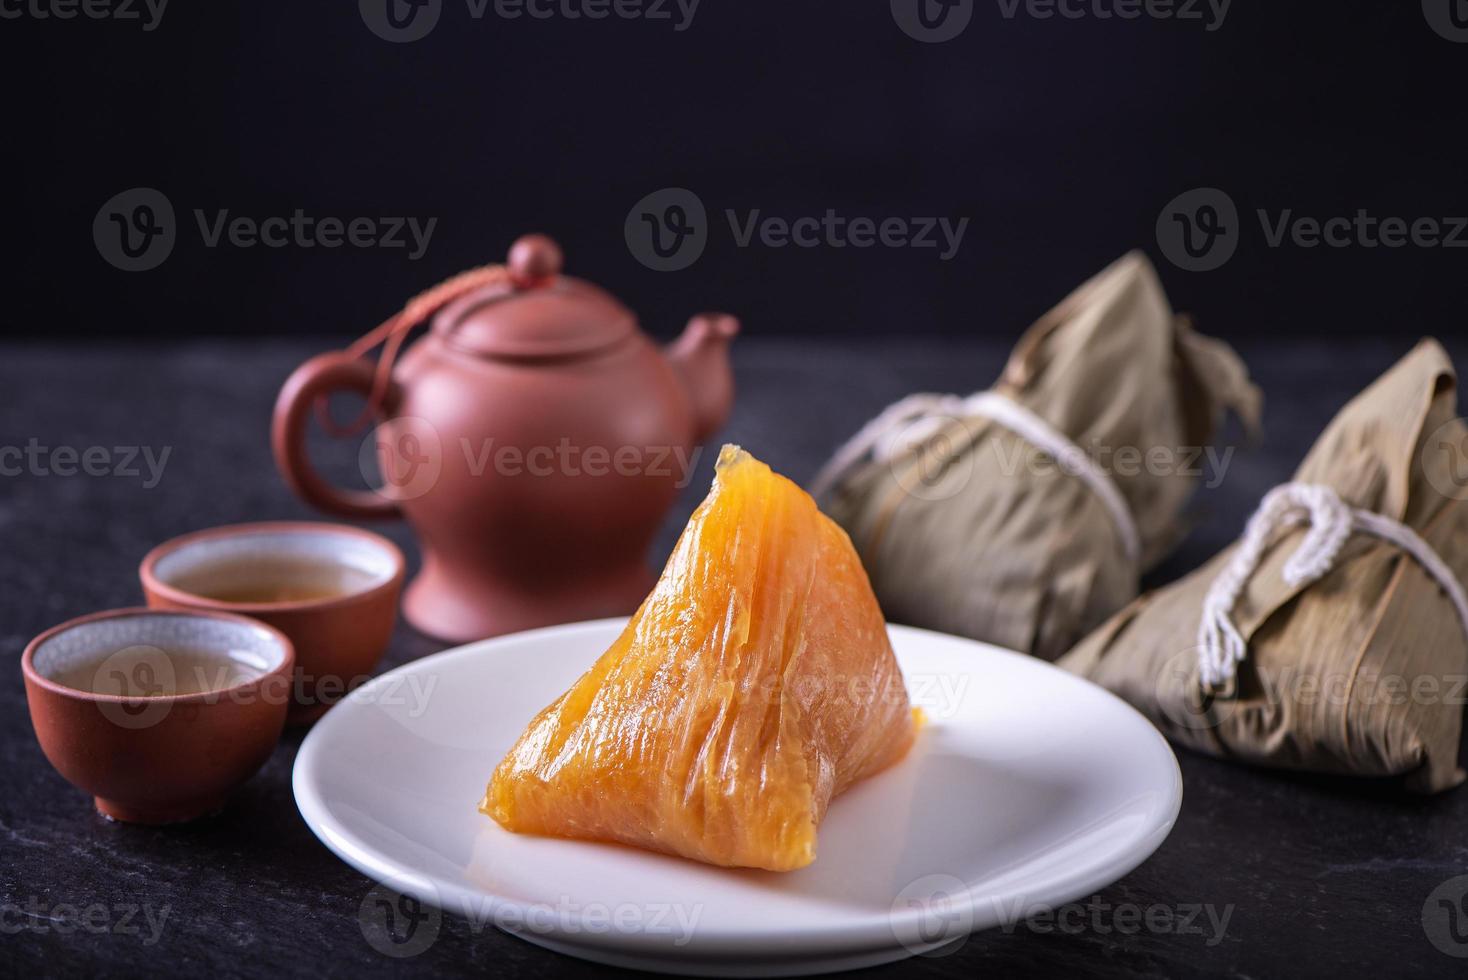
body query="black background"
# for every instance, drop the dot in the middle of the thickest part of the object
(1061, 140)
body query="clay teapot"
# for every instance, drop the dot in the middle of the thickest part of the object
(534, 438)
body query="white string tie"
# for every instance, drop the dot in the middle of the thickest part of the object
(1221, 647)
(912, 421)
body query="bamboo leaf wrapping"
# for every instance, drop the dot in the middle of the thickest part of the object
(1362, 672)
(976, 532)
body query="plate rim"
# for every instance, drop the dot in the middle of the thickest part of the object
(854, 937)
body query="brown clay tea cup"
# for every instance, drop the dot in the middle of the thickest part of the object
(331, 588)
(158, 715)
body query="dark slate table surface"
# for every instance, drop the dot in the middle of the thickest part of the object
(1317, 877)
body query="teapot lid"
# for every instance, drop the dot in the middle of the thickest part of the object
(536, 312)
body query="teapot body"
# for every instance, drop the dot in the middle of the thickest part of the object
(535, 489)
(535, 439)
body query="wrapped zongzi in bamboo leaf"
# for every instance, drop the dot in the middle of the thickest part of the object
(1025, 515)
(1331, 636)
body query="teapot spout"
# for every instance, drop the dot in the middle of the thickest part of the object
(700, 357)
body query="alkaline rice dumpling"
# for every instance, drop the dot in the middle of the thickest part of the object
(755, 683)
(1331, 637)
(1025, 515)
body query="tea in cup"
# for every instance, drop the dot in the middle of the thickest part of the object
(159, 715)
(332, 589)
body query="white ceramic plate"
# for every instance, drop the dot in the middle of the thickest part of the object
(1027, 789)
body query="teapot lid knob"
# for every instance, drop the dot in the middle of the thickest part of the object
(534, 261)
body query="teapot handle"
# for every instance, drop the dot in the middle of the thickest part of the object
(306, 388)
